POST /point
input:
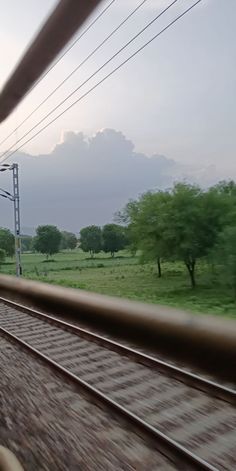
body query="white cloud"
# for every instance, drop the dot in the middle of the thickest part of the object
(84, 180)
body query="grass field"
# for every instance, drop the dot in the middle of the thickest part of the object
(126, 277)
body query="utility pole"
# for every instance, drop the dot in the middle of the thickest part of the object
(16, 202)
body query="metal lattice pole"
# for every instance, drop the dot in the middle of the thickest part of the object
(16, 201)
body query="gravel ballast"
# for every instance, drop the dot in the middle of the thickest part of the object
(53, 425)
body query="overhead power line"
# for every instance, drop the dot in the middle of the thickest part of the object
(106, 77)
(79, 66)
(91, 76)
(54, 65)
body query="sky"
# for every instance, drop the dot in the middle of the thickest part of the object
(86, 180)
(175, 100)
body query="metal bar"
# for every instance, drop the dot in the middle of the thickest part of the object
(64, 21)
(207, 342)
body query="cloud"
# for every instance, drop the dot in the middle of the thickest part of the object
(84, 180)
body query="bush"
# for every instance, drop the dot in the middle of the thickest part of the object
(7, 241)
(2, 256)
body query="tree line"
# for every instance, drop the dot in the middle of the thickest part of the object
(93, 239)
(49, 240)
(184, 223)
(110, 239)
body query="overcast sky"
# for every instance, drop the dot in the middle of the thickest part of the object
(176, 99)
(85, 180)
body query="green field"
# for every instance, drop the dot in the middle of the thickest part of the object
(126, 277)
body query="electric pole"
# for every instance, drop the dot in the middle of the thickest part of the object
(16, 202)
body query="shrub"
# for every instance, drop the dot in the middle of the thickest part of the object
(2, 256)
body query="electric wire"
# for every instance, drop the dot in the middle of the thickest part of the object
(54, 65)
(91, 76)
(76, 69)
(106, 77)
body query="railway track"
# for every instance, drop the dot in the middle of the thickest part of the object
(188, 416)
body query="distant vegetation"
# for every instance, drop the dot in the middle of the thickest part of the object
(91, 239)
(7, 242)
(47, 240)
(68, 241)
(109, 239)
(160, 241)
(2, 256)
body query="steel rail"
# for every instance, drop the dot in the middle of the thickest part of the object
(187, 377)
(58, 29)
(205, 342)
(166, 445)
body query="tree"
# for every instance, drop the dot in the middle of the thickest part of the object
(2, 256)
(146, 222)
(7, 241)
(68, 240)
(225, 188)
(114, 238)
(180, 224)
(193, 221)
(47, 240)
(128, 217)
(26, 243)
(91, 239)
(225, 253)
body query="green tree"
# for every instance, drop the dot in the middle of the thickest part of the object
(128, 217)
(68, 240)
(26, 243)
(146, 220)
(225, 254)
(192, 224)
(7, 241)
(114, 238)
(91, 239)
(180, 224)
(2, 256)
(47, 240)
(227, 188)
